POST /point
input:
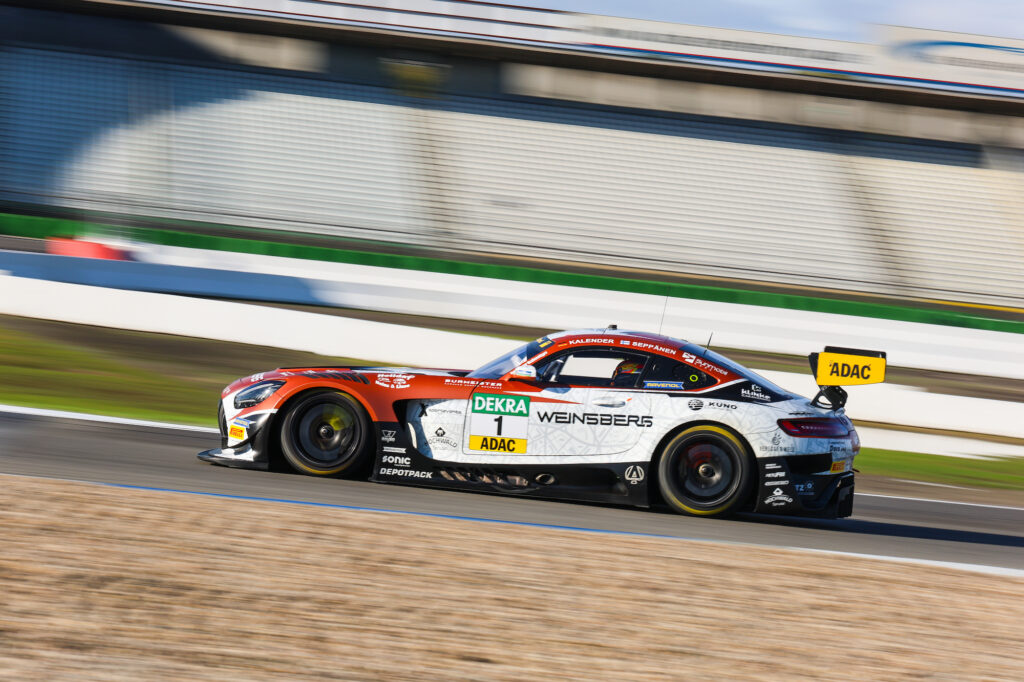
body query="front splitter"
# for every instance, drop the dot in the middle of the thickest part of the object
(241, 457)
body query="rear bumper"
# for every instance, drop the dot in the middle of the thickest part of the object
(781, 490)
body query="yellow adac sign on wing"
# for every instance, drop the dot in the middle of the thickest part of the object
(850, 368)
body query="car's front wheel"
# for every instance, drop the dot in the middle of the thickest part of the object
(326, 434)
(705, 470)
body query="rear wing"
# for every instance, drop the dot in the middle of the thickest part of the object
(838, 367)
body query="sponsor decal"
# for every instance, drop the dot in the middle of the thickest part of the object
(544, 342)
(849, 371)
(695, 404)
(387, 436)
(720, 405)
(256, 377)
(473, 382)
(496, 444)
(408, 473)
(397, 461)
(388, 448)
(840, 450)
(499, 423)
(805, 488)
(440, 439)
(599, 339)
(775, 474)
(840, 466)
(776, 447)
(772, 465)
(393, 380)
(634, 474)
(755, 392)
(670, 385)
(647, 345)
(239, 429)
(434, 410)
(778, 498)
(851, 368)
(511, 405)
(703, 364)
(597, 419)
(769, 484)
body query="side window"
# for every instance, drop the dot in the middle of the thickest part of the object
(600, 368)
(671, 374)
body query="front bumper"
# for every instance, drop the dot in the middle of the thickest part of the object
(251, 453)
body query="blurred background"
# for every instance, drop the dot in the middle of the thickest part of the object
(195, 191)
(785, 177)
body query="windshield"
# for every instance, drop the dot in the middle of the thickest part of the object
(499, 367)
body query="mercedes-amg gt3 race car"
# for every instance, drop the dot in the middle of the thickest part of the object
(602, 415)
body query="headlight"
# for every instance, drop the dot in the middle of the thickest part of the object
(256, 394)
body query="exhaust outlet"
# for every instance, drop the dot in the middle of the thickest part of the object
(544, 479)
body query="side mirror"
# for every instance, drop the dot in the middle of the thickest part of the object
(524, 373)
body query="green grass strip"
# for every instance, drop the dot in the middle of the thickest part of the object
(1005, 472)
(41, 227)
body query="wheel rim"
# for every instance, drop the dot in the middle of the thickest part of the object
(707, 472)
(327, 433)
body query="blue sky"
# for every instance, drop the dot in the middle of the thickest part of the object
(835, 19)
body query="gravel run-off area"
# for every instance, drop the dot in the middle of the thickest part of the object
(105, 583)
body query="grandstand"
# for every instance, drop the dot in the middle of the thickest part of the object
(496, 172)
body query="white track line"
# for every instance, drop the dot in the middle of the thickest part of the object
(975, 568)
(61, 414)
(925, 499)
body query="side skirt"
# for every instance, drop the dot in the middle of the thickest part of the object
(611, 483)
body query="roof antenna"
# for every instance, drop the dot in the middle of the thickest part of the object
(664, 309)
(613, 326)
(707, 346)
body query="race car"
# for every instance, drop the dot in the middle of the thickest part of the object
(601, 415)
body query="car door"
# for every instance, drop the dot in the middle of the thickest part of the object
(581, 404)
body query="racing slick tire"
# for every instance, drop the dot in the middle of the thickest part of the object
(326, 433)
(705, 470)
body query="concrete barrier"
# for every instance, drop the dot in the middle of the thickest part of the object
(327, 335)
(548, 306)
(380, 342)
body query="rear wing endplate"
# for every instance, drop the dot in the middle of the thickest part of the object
(837, 367)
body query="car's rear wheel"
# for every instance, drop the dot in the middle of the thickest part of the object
(705, 470)
(326, 434)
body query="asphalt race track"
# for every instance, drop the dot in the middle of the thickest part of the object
(165, 458)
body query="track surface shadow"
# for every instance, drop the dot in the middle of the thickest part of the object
(897, 530)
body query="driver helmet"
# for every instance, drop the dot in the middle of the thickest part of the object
(627, 371)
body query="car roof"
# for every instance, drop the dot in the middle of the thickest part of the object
(620, 339)
(580, 336)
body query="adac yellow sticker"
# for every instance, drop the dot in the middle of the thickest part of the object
(498, 444)
(841, 369)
